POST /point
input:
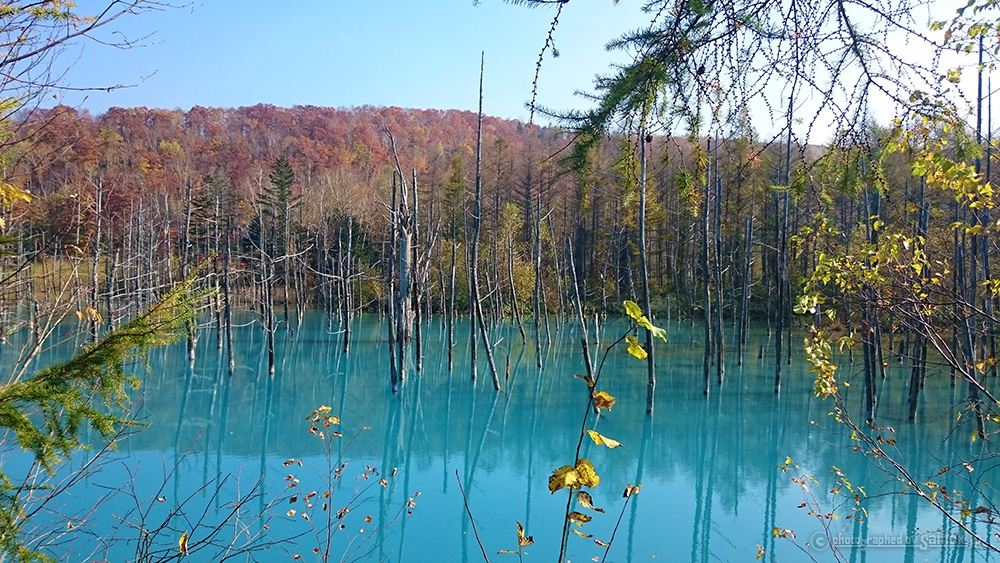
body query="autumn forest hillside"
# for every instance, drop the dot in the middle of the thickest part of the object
(131, 199)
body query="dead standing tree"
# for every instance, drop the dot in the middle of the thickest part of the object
(475, 305)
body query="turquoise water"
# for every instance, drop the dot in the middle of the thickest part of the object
(713, 488)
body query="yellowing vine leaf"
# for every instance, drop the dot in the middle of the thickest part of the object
(567, 476)
(523, 540)
(588, 476)
(579, 517)
(635, 349)
(586, 501)
(633, 310)
(603, 400)
(630, 490)
(603, 440)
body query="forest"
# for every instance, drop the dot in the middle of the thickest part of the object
(298, 205)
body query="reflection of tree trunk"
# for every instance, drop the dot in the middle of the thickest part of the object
(647, 437)
(771, 496)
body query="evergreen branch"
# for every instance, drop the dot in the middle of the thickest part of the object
(48, 411)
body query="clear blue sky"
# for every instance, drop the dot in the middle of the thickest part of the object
(344, 53)
(341, 53)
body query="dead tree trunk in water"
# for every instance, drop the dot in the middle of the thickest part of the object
(402, 242)
(95, 323)
(476, 301)
(578, 308)
(537, 298)
(345, 282)
(192, 336)
(644, 273)
(226, 293)
(718, 330)
(418, 269)
(706, 280)
(513, 290)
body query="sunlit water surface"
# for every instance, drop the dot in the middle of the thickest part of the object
(711, 469)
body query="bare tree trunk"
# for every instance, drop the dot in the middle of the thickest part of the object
(578, 308)
(706, 279)
(94, 296)
(719, 336)
(417, 275)
(644, 274)
(451, 307)
(537, 297)
(192, 336)
(513, 290)
(227, 295)
(345, 281)
(476, 301)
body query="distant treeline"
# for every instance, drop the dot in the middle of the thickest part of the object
(126, 202)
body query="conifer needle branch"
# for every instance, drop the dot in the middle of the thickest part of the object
(549, 42)
(468, 511)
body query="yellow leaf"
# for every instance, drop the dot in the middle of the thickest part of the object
(586, 501)
(581, 534)
(659, 333)
(523, 540)
(603, 400)
(630, 490)
(579, 517)
(588, 477)
(603, 441)
(632, 309)
(602, 544)
(760, 552)
(182, 544)
(635, 349)
(93, 315)
(565, 476)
